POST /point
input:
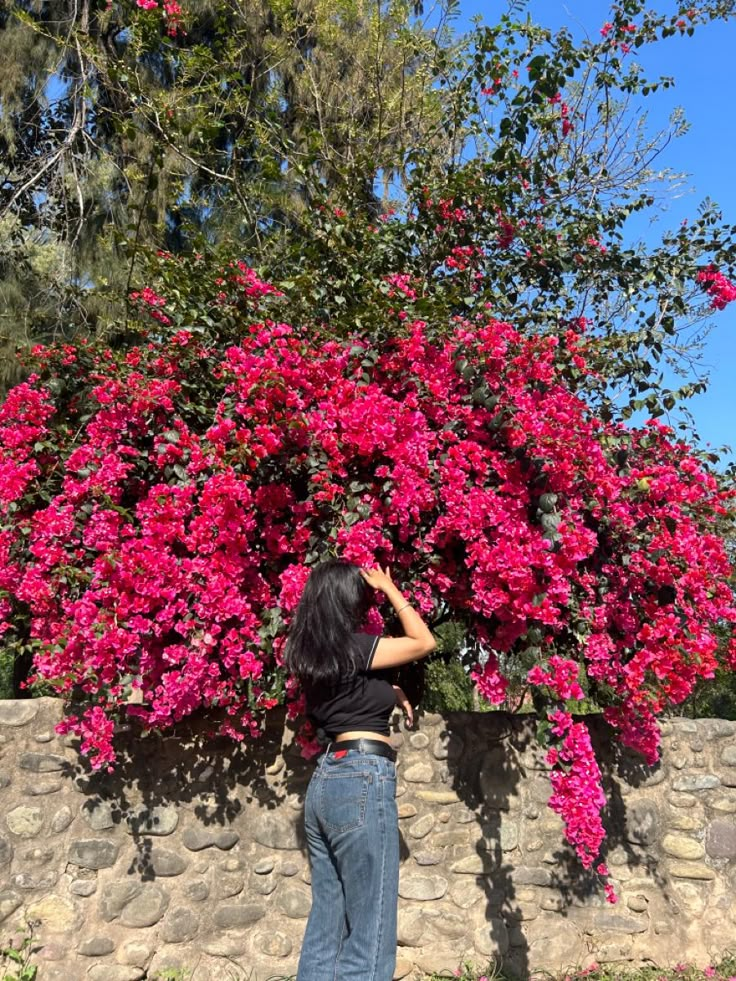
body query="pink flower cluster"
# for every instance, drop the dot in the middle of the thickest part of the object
(577, 795)
(157, 524)
(721, 290)
(149, 299)
(561, 678)
(172, 12)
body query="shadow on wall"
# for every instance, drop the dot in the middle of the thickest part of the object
(541, 905)
(483, 767)
(215, 778)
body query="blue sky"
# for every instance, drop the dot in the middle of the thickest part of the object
(702, 66)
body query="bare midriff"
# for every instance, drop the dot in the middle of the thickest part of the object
(361, 734)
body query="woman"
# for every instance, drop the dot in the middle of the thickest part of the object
(350, 814)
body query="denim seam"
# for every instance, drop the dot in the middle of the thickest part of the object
(339, 948)
(381, 913)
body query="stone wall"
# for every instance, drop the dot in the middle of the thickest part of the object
(190, 854)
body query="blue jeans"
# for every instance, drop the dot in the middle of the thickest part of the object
(352, 830)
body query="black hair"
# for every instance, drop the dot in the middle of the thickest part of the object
(321, 646)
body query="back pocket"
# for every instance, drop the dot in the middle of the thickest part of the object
(343, 798)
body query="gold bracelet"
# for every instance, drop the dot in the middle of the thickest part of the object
(402, 608)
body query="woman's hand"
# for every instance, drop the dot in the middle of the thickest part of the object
(405, 704)
(378, 578)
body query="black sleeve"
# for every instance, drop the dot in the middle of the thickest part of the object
(367, 644)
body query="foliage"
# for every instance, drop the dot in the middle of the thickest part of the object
(449, 687)
(504, 166)
(529, 210)
(723, 970)
(127, 125)
(15, 956)
(714, 698)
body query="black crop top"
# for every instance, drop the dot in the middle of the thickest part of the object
(363, 701)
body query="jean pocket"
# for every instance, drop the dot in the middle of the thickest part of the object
(343, 798)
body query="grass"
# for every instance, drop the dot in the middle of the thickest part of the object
(722, 970)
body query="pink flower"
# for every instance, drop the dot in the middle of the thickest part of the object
(721, 289)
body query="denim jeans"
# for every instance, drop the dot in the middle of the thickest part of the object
(352, 830)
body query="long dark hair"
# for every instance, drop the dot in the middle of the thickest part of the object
(321, 646)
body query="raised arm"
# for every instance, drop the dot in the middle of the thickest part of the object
(392, 652)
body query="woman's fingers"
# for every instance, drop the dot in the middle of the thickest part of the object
(376, 578)
(405, 704)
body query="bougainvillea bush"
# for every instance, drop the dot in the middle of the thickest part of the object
(162, 505)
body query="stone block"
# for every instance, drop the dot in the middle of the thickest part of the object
(61, 819)
(179, 926)
(438, 958)
(402, 969)
(690, 783)
(418, 773)
(479, 864)
(642, 823)
(411, 924)
(25, 822)
(680, 846)
(275, 831)
(726, 805)
(115, 972)
(690, 870)
(43, 762)
(94, 853)
(492, 939)
(237, 917)
(96, 946)
(449, 924)
(682, 821)
(18, 712)
(166, 863)
(438, 796)
(98, 814)
(720, 839)
(156, 820)
(134, 952)
(274, 944)
(295, 902)
(57, 914)
(197, 839)
(422, 887)
(422, 826)
(426, 857)
(9, 903)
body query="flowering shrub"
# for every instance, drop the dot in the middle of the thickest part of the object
(162, 505)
